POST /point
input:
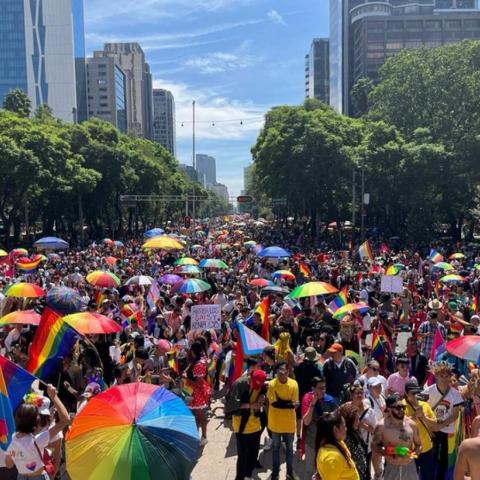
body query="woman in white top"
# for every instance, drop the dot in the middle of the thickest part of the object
(27, 447)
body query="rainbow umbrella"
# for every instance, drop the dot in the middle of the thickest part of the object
(188, 270)
(88, 323)
(456, 256)
(26, 290)
(186, 261)
(191, 285)
(286, 274)
(100, 278)
(212, 263)
(452, 278)
(164, 243)
(65, 300)
(273, 252)
(467, 347)
(349, 308)
(3, 253)
(19, 252)
(250, 243)
(261, 282)
(443, 266)
(312, 289)
(23, 317)
(170, 279)
(135, 431)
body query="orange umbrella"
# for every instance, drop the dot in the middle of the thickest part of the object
(23, 317)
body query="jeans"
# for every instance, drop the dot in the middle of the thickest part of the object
(43, 476)
(426, 465)
(276, 442)
(248, 445)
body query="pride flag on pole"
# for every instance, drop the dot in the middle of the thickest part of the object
(7, 424)
(304, 270)
(52, 340)
(263, 310)
(339, 301)
(434, 256)
(153, 294)
(365, 251)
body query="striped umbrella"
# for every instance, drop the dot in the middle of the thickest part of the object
(312, 289)
(21, 317)
(191, 285)
(65, 300)
(186, 261)
(213, 263)
(100, 278)
(89, 323)
(188, 270)
(25, 290)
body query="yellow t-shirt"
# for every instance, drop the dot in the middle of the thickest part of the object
(425, 438)
(281, 420)
(253, 423)
(332, 465)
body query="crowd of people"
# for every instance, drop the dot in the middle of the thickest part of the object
(370, 393)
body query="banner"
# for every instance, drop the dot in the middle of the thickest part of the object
(392, 283)
(205, 317)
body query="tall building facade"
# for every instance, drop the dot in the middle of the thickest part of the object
(131, 59)
(368, 32)
(107, 91)
(220, 190)
(206, 167)
(317, 70)
(40, 42)
(164, 119)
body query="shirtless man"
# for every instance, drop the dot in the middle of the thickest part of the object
(396, 430)
(468, 460)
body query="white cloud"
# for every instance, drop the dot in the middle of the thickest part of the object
(212, 107)
(219, 62)
(275, 17)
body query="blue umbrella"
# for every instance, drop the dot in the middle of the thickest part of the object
(51, 243)
(192, 285)
(65, 300)
(154, 232)
(274, 252)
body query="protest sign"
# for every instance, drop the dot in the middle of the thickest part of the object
(392, 284)
(205, 317)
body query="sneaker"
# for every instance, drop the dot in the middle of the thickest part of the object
(268, 444)
(203, 442)
(292, 476)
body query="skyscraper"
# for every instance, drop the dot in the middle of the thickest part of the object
(40, 42)
(317, 70)
(206, 169)
(106, 91)
(131, 59)
(365, 33)
(164, 119)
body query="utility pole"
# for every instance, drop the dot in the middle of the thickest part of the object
(354, 200)
(362, 206)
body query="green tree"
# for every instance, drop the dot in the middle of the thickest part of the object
(360, 92)
(17, 101)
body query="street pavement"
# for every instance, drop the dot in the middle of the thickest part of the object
(219, 457)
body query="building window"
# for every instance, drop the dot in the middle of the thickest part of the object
(433, 24)
(101, 81)
(471, 23)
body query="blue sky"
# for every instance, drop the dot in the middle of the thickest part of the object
(236, 58)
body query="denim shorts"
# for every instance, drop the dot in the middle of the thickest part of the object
(43, 476)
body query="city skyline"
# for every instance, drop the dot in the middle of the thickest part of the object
(235, 61)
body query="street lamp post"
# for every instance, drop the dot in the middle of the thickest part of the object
(193, 163)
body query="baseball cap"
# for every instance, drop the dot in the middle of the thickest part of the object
(412, 387)
(257, 379)
(41, 402)
(335, 348)
(391, 400)
(374, 382)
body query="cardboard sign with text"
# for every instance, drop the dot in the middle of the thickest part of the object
(205, 317)
(392, 284)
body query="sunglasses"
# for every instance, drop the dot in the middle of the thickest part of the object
(374, 369)
(399, 407)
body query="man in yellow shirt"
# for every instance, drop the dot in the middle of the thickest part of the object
(423, 415)
(246, 405)
(282, 398)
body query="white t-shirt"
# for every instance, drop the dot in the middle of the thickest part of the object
(24, 454)
(370, 419)
(444, 408)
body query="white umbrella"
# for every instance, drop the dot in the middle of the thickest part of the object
(140, 280)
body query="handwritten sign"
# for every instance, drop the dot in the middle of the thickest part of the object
(392, 283)
(205, 317)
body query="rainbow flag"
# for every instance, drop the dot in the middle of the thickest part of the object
(392, 270)
(365, 251)
(378, 349)
(17, 380)
(263, 309)
(474, 304)
(52, 340)
(99, 298)
(454, 441)
(187, 389)
(434, 256)
(27, 265)
(153, 294)
(7, 424)
(304, 270)
(437, 287)
(339, 301)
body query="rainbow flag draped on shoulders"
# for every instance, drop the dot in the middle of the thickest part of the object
(52, 340)
(365, 251)
(15, 382)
